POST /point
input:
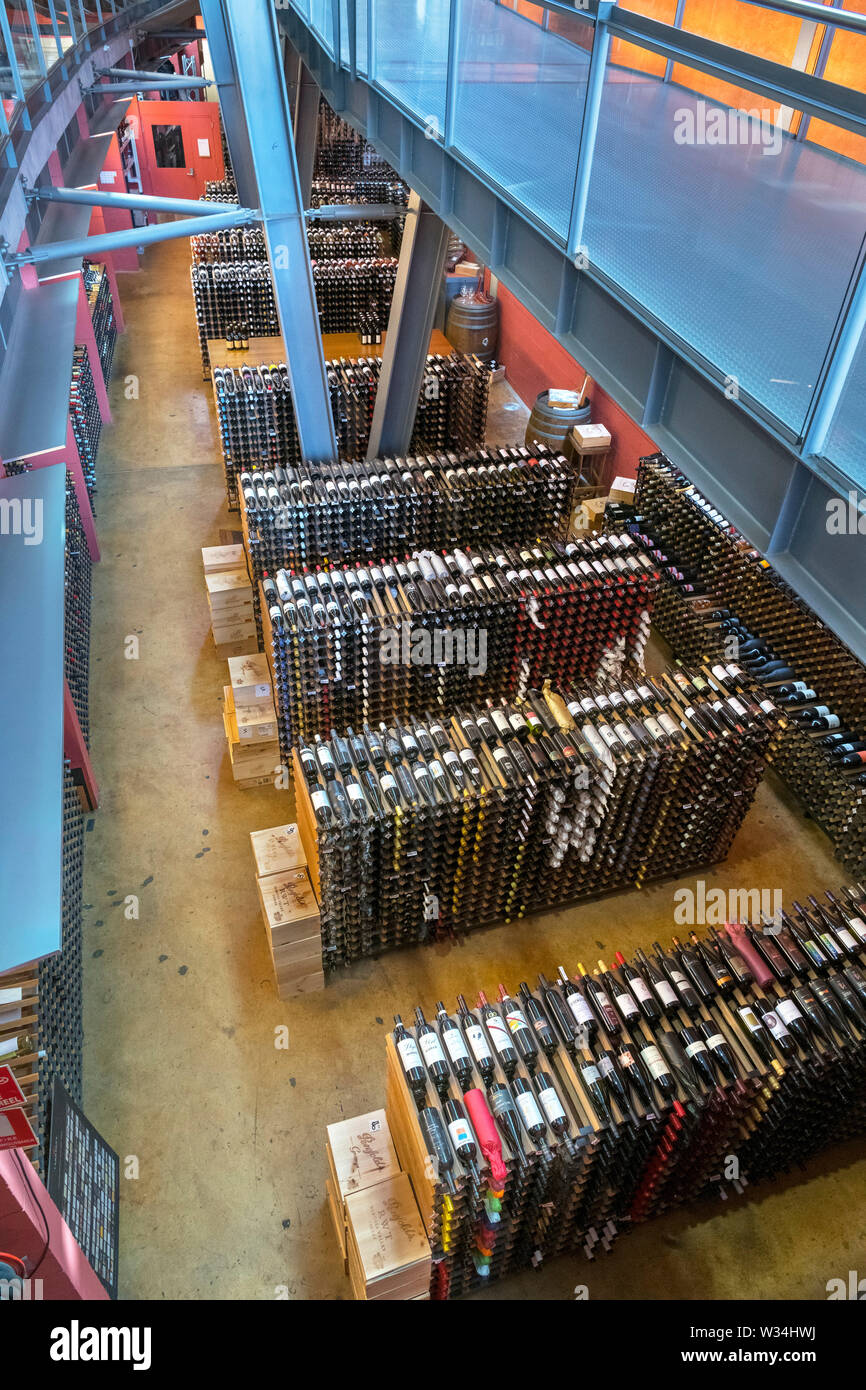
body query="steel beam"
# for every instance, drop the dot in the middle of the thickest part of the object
(133, 236)
(306, 132)
(829, 392)
(150, 84)
(413, 311)
(589, 130)
(355, 212)
(134, 202)
(231, 107)
(133, 74)
(253, 43)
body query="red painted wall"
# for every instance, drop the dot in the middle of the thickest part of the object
(534, 361)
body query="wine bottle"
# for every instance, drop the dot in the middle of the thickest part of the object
(410, 1057)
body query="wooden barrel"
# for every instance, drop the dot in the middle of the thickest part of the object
(472, 326)
(552, 427)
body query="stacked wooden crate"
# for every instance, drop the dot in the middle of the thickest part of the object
(230, 597)
(385, 1249)
(250, 721)
(290, 910)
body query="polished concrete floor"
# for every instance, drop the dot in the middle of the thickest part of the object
(226, 1197)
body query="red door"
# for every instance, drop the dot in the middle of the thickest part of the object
(180, 146)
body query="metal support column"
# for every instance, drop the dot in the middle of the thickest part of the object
(789, 512)
(589, 129)
(231, 108)
(841, 361)
(253, 45)
(413, 310)
(306, 132)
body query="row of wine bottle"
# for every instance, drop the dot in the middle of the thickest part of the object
(360, 642)
(598, 1100)
(360, 510)
(731, 598)
(443, 823)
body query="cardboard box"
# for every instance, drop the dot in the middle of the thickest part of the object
(250, 680)
(227, 587)
(289, 908)
(591, 439)
(278, 850)
(361, 1153)
(388, 1251)
(216, 558)
(622, 490)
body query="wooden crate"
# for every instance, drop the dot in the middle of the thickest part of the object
(217, 558)
(278, 850)
(387, 1246)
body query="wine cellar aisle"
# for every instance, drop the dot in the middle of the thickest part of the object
(220, 1128)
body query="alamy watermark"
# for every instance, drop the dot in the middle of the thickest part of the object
(846, 516)
(714, 907)
(418, 646)
(704, 124)
(22, 516)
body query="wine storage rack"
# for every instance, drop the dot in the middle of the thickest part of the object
(77, 608)
(258, 430)
(98, 289)
(735, 577)
(510, 843)
(86, 418)
(228, 293)
(336, 241)
(358, 666)
(787, 1096)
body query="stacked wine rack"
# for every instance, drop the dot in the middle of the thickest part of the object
(328, 512)
(531, 804)
(341, 151)
(376, 189)
(86, 418)
(98, 288)
(333, 242)
(77, 608)
(241, 292)
(258, 430)
(737, 587)
(221, 190)
(602, 1114)
(363, 643)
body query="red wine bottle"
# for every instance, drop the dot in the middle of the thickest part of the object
(452, 1041)
(431, 1050)
(477, 1040)
(413, 1067)
(498, 1034)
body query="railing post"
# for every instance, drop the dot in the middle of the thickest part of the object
(829, 392)
(454, 18)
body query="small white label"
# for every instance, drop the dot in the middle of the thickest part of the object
(787, 1010)
(716, 1040)
(355, 793)
(431, 1047)
(590, 1075)
(695, 1048)
(529, 1111)
(409, 1053)
(478, 1042)
(550, 1104)
(460, 1135)
(654, 1061)
(455, 1045)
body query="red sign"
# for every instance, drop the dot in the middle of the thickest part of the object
(10, 1092)
(15, 1131)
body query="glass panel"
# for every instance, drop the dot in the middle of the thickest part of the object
(322, 17)
(783, 38)
(168, 147)
(361, 32)
(303, 7)
(520, 98)
(846, 442)
(719, 223)
(841, 58)
(344, 35)
(411, 38)
(66, 39)
(26, 51)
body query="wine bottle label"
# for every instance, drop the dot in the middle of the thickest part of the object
(626, 1059)
(580, 1009)
(665, 993)
(436, 768)
(653, 727)
(498, 1032)
(627, 1006)
(858, 926)
(752, 1023)
(431, 1048)
(324, 755)
(694, 1049)
(787, 1010)
(720, 673)
(409, 1054)
(467, 755)
(590, 1075)
(454, 1044)
(776, 1026)
(608, 734)
(355, 793)
(477, 1041)
(846, 938)
(768, 707)
(529, 1111)
(641, 991)
(460, 1133)
(388, 781)
(515, 1019)
(550, 1104)
(716, 1040)
(668, 724)
(737, 707)
(319, 800)
(605, 1066)
(655, 1062)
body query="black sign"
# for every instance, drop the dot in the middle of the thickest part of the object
(84, 1181)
